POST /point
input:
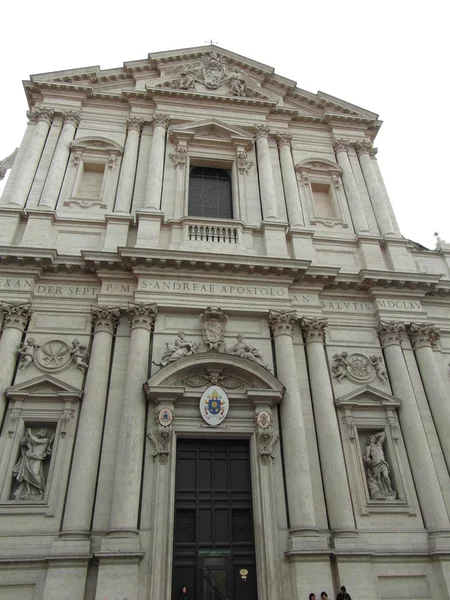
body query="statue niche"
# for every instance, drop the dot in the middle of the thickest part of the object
(378, 469)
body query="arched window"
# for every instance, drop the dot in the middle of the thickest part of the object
(210, 193)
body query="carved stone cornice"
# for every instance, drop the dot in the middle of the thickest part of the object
(179, 157)
(37, 114)
(314, 329)
(284, 138)
(364, 147)
(16, 315)
(423, 334)
(142, 316)
(160, 120)
(261, 130)
(391, 333)
(135, 124)
(105, 318)
(71, 116)
(341, 145)
(282, 322)
(243, 164)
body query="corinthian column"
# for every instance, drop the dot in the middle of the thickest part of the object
(339, 505)
(420, 459)
(129, 164)
(293, 204)
(298, 477)
(350, 186)
(382, 216)
(43, 118)
(156, 164)
(266, 182)
(127, 479)
(83, 476)
(423, 337)
(60, 158)
(15, 320)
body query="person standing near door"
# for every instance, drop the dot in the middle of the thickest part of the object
(184, 594)
(343, 595)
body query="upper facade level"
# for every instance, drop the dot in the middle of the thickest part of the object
(204, 151)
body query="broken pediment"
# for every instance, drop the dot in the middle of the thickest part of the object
(44, 386)
(368, 397)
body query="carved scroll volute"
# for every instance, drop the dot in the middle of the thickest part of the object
(266, 435)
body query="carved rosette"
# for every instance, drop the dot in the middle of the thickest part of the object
(267, 439)
(423, 334)
(40, 114)
(284, 138)
(391, 333)
(16, 315)
(364, 147)
(341, 145)
(314, 329)
(179, 157)
(142, 316)
(282, 322)
(160, 120)
(243, 164)
(135, 124)
(261, 130)
(161, 438)
(71, 116)
(105, 318)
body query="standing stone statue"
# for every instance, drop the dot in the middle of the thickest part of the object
(26, 351)
(80, 355)
(378, 469)
(29, 471)
(245, 350)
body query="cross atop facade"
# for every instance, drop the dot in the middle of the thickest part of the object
(211, 42)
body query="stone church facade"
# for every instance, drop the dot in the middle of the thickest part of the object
(222, 366)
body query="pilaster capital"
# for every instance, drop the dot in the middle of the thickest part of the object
(242, 163)
(423, 334)
(179, 157)
(105, 318)
(341, 145)
(282, 322)
(160, 120)
(135, 124)
(391, 333)
(261, 130)
(364, 147)
(71, 116)
(142, 316)
(37, 114)
(314, 329)
(284, 138)
(16, 315)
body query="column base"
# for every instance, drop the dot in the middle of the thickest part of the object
(275, 239)
(439, 541)
(9, 222)
(307, 540)
(117, 226)
(356, 573)
(39, 228)
(302, 243)
(371, 252)
(399, 255)
(149, 228)
(67, 569)
(310, 572)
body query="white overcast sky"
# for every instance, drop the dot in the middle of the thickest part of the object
(390, 57)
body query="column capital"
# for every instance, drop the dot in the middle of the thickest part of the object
(282, 322)
(341, 145)
(160, 120)
(261, 130)
(37, 114)
(314, 329)
(391, 333)
(284, 138)
(142, 316)
(364, 147)
(179, 157)
(423, 334)
(16, 315)
(104, 318)
(71, 116)
(242, 163)
(135, 124)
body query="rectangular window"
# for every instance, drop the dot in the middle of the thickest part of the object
(324, 204)
(210, 193)
(91, 181)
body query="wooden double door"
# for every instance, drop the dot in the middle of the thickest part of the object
(214, 550)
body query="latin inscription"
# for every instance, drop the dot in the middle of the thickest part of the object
(66, 291)
(395, 304)
(221, 289)
(16, 283)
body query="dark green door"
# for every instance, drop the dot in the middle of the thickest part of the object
(214, 551)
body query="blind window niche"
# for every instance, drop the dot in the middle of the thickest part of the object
(324, 204)
(91, 180)
(210, 193)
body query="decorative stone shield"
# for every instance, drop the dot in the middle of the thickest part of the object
(214, 405)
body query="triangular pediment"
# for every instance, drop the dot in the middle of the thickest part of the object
(43, 386)
(368, 397)
(213, 128)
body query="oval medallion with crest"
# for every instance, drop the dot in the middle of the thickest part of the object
(214, 405)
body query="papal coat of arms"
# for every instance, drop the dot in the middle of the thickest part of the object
(213, 322)
(214, 405)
